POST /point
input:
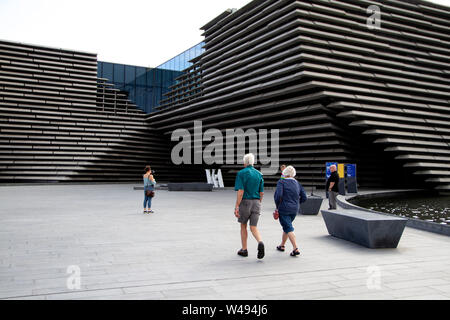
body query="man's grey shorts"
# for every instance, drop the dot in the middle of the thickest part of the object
(249, 209)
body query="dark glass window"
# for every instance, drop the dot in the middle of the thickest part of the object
(119, 75)
(131, 89)
(108, 71)
(141, 79)
(130, 75)
(145, 86)
(100, 69)
(140, 99)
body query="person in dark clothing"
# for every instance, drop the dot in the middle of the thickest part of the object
(332, 187)
(288, 196)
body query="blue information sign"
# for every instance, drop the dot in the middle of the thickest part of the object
(351, 170)
(328, 165)
(352, 185)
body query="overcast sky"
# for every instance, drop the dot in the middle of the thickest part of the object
(137, 32)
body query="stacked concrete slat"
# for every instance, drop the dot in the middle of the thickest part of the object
(395, 80)
(243, 106)
(337, 90)
(59, 122)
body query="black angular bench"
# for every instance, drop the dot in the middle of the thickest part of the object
(190, 186)
(368, 229)
(311, 206)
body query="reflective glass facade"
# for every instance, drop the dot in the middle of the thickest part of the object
(146, 86)
(181, 61)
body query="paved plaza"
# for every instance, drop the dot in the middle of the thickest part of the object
(187, 250)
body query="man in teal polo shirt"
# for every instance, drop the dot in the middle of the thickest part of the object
(250, 187)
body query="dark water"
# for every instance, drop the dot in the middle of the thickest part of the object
(429, 208)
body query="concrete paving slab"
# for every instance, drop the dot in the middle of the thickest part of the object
(187, 250)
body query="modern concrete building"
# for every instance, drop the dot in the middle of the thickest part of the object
(59, 122)
(338, 87)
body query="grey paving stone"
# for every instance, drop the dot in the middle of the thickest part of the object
(306, 295)
(411, 283)
(297, 288)
(427, 297)
(124, 254)
(363, 274)
(442, 288)
(84, 294)
(360, 289)
(410, 292)
(365, 296)
(350, 283)
(186, 293)
(15, 292)
(27, 298)
(214, 296)
(156, 295)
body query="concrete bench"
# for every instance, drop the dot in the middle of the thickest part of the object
(311, 206)
(369, 229)
(190, 186)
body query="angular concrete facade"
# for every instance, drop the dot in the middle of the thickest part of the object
(60, 123)
(337, 89)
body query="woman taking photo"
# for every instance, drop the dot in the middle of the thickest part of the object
(288, 196)
(149, 183)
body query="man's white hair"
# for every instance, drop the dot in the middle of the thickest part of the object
(333, 166)
(289, 172)
(249, 159)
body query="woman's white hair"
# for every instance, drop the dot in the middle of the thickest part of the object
(249, 159)
(289, 172)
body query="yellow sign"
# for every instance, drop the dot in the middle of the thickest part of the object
(341, 170)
